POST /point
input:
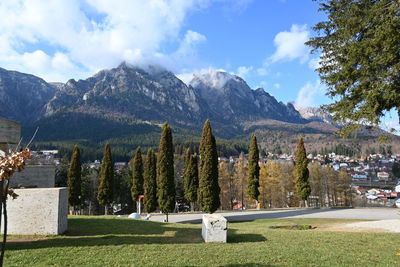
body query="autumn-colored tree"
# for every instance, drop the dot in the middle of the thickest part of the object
(253, 170)
(165, 172)
(241, 179)
(263, 186)
(344, 188)
(302, 173)
(208, 197)
(150, 184)
(316, 182)
(228, 185)
(9, 163)
(105, 190)
(74, 179)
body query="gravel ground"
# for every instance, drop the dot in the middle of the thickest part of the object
(386, 225)
(356, 213)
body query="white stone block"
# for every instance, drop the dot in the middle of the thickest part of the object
(214, 228)
(38, 211)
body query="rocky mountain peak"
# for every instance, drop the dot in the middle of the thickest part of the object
(22, 96)
(213, 79)
(316, 114)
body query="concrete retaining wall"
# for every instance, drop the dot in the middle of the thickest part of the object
(38, 211)
(42, 176)
(10, 131)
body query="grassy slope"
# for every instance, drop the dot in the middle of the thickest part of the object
(100, 241)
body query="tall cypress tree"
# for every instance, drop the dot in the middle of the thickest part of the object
(106, 179)
(150, 184)
(302, 173)
(191, 179)
(137, 175)
(253, 170)
(187, 159)
(165, 172)
(208, 194)
(74, 179)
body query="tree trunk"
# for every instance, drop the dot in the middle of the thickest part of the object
(1, 199)
(105, 210)
(166, 220)
(4, 206)
(398, 112)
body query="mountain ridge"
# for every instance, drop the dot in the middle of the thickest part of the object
(151, 95)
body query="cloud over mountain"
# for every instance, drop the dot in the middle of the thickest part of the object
(59, 39)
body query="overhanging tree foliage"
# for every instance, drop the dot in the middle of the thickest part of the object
(74, 179)
(165, 172)
(302, 174)
(150, 184)
(360, 59)
(137, 175)
(105, 190)
(253, 169)
(208, 194)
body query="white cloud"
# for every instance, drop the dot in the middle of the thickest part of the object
(290, 45)
(37, 60)
(262, 71)
(277, 85)
(243, 71)
(308, 93)
(233, 8)
(187, 76)
(263, 84)
(76, 37)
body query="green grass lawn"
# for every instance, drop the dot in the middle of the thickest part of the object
(108, 241)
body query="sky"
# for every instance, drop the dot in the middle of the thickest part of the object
(261, 41)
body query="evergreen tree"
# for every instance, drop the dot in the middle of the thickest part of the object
(396, 169)
(165, 172)
(137, 175)
(74, 179)
(106, 179)
(359, 63)
(187, 159)
(302, 173)
(191, 179)
(150, 184)
(253, 170)
(208, 194)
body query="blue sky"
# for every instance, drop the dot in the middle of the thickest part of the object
(260, 40)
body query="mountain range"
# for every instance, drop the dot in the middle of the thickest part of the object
(125, 106)
(133, 95)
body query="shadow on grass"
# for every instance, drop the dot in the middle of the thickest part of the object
(234, 237)
(248, 265)
(98, 231)
(89, 226)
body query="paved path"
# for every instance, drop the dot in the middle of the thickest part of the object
(237, 216)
